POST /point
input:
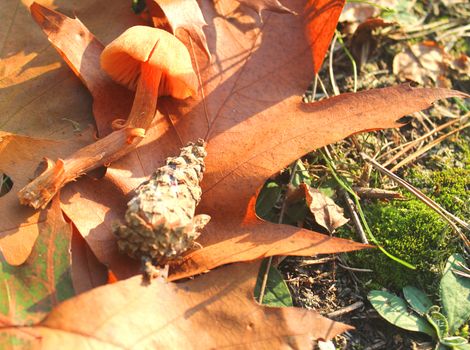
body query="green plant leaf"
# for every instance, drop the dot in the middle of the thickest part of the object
(394, 310)
(461, 347)
(29, 291)
(438, 321)
(277, 293)
(267, 199)
(454, 341)
(301, 175)
(455, 294)
(417, 299)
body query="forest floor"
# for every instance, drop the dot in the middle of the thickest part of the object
(426, 42)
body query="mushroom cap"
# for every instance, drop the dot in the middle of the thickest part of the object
(123, 57)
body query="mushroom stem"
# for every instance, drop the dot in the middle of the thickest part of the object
(102, 152)
(145, 101)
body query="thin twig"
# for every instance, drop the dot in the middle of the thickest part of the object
(317, 261)
(426, 148)
(355, 218)
(376, 193)
(355, 269)
(345, 310)
(407, 146)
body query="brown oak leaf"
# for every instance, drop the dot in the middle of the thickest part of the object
(249, 110)
(214, 311)
(325, 211)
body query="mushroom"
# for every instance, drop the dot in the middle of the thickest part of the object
(151, 61)
(139, 59)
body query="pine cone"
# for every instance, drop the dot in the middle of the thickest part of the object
(159, 223)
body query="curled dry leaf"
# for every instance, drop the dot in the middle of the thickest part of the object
(327, 214)
(422, 62)
(81, 50)
(249, 110)
(181, 15)
(29, 292)
(363, 42)
(214, 311)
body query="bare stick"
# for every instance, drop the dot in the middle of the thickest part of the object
(347, 309)
(355, 218)
(426, 148)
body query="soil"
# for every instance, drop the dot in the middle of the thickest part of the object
(331, 289)
(328, 286)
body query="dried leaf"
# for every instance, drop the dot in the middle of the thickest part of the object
(28, 292)
(182, 15)
(421, 63)
(327, 214)
(461, 64)
(87, 271)
(38, 94)
(255, 125)
(268, 5)
(81, 51)
(363, 42)
(358, 12)
(19, 157)
(204, 313)
(321, 17)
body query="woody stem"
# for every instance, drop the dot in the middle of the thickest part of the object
(102, 152)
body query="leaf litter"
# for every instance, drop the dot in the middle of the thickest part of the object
(217, 84)
(168, 315)
(227, 197)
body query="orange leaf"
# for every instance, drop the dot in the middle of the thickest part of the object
(250, 111)
(19, 157)
(182, 16)
(321, 17)
(214, 311)
(268, 5)
(87, 271)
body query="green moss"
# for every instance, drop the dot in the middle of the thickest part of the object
(412, 232)
(415, 233)
(450, 188)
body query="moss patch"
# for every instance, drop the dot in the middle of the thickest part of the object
(415, 233)
(450, 188)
